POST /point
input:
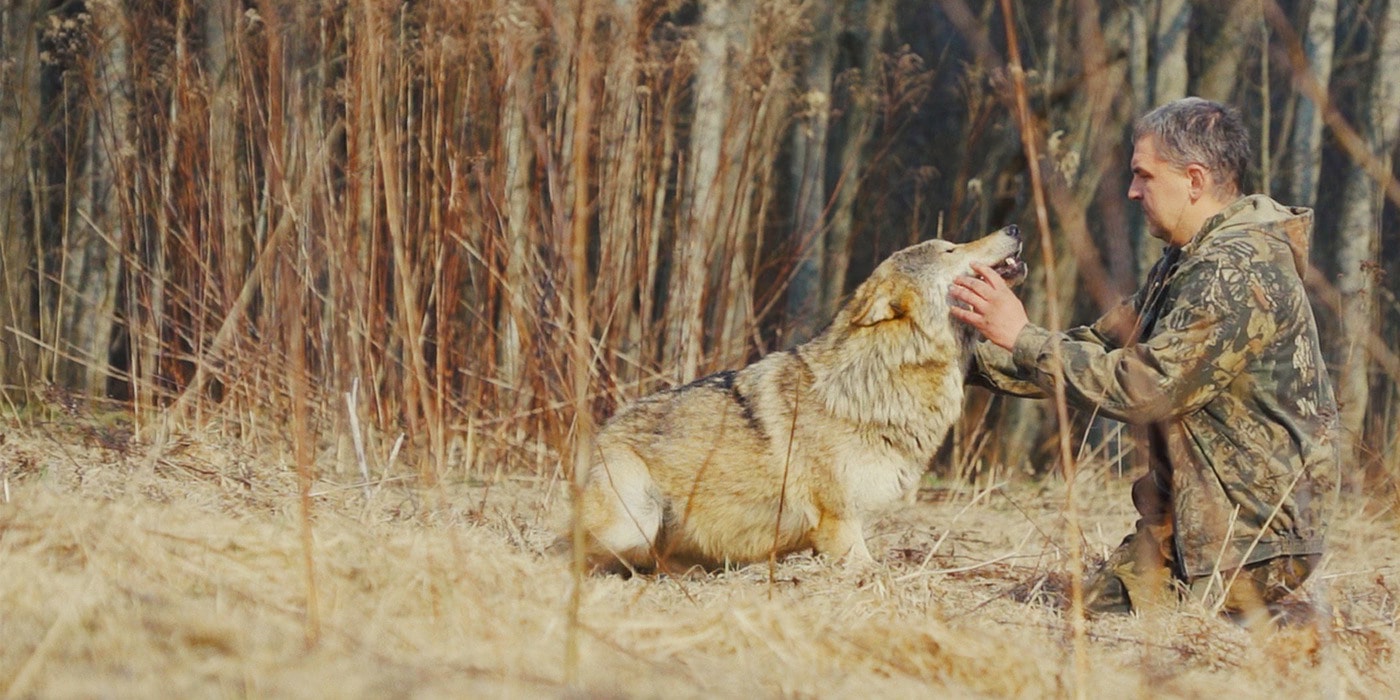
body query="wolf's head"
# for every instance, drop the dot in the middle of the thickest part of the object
(911, 287)
(894, 355)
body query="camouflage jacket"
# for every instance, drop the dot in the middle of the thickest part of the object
(1218, 356)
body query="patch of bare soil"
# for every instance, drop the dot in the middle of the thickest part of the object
(128, 570)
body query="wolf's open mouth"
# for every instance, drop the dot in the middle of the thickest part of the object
(1013, 268)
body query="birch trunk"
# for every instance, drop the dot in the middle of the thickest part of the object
(19, 114)
(808, 178)
(1138, 50)
(856, 133)
(1170, 30)
(1223, 57)
(722, 40)
(759, 122)
(622, 187)
(1306, 142)
(1168, 24)
(518, 69)
(92, 230)
(1359, 246)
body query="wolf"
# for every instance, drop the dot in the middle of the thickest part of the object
(799, 449)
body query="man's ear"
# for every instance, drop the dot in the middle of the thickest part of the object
(886, 300)
(1200, 180)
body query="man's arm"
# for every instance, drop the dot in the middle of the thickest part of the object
(993, 368)
(993, 365)
(1218, 322)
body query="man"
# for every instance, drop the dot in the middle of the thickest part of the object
(1216, 356)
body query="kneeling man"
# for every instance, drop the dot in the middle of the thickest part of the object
(1216, 356)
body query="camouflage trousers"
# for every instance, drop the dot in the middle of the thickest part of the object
(1141, 574)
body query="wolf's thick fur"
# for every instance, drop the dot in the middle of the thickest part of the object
(796, 450)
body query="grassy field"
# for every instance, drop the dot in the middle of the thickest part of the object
(131, 571)
(480, 221)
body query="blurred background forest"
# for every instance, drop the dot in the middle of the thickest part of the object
(473, 222)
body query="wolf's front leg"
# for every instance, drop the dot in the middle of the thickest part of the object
(841, 540)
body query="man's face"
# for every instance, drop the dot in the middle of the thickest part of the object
(1163, 190)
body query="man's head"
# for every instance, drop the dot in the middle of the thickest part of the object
(1189, 158)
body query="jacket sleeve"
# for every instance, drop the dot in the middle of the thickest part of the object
(995, 367)
(1219, 319)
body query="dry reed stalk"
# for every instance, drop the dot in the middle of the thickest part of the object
(407, 278)
(585, 65)
(289, 282)
(352, 412)
(1029, 142)
(304, 442)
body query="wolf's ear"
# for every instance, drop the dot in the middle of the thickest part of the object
(882, 302)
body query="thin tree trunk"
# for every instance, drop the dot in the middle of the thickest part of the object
(19, 116)
(750, 149)
(518, 154)
(723, 29)
(662, 167)
(1170, 31)
(93, 233)
(1073, 184)
(689, 264)
(1221, 63)
(366, 259)
(1139, 47)
(808, 180)
(621, 189)
(857, 126)
(147, 316)
(1168, 24)
(1358, 250)
(1306, 147)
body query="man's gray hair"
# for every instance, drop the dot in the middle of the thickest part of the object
(1194, 130)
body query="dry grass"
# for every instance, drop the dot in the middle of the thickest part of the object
(125, 574)
(366, 205)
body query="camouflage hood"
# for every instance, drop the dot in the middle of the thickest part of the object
(1291, 226)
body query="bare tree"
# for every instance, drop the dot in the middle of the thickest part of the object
(1227, 49)
(1359, 246)
(19, 264)
(866, 32)
(1160, 30)
(685, 306)
(808, 176)
(91, 234)
(709, 207)
(518, 35)
(1306, 140)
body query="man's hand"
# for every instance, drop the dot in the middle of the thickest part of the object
(993, 307)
